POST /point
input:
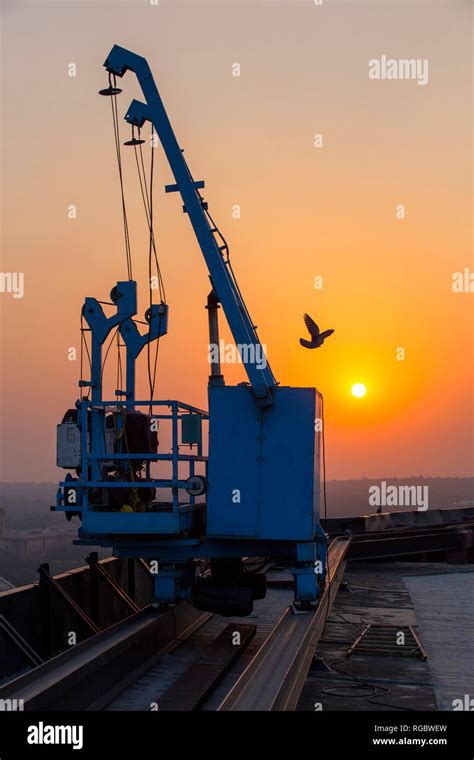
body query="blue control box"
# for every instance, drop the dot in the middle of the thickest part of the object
(264, 464)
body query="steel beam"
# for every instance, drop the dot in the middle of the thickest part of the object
(91, 674)
(275, 677)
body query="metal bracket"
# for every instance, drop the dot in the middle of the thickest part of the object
(93, 562)
(198, 184)
(12, 635)
(45, 575)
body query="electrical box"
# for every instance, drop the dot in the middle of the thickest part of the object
(191, 429)
(68, 445)
(264, 464)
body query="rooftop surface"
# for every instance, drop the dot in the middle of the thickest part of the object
(436, 600)
(444, 606)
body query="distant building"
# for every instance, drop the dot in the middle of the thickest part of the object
(33, 544)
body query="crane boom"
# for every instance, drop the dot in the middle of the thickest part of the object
(243, 330)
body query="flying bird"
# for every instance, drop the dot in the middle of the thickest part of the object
(317, 337)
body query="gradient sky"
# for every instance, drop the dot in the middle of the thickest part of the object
(304, 211)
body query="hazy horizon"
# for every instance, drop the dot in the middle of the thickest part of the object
(306, 212)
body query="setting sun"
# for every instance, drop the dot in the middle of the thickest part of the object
(358, 390)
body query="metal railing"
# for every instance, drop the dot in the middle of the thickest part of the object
(96, 452)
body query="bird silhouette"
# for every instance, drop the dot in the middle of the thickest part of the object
(317, 337)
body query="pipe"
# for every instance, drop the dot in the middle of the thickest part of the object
(215, 378)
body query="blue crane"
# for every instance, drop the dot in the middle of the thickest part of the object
(256, 493)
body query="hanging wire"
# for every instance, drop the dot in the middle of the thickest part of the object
(325, 503)
(119, 363)
(225, 247)
(227, 260)
(151, 249)
(161, 284)
(128, 252)
(84, 345)
(146, 189)
(107, 353)
(147, 203)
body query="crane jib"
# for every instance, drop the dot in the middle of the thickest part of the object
(242, 328)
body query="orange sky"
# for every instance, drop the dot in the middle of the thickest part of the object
(304, 211)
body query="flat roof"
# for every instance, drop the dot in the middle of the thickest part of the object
(444, 605)
(436, 599)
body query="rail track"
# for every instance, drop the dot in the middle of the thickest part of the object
(274, 678)
(184, 659)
